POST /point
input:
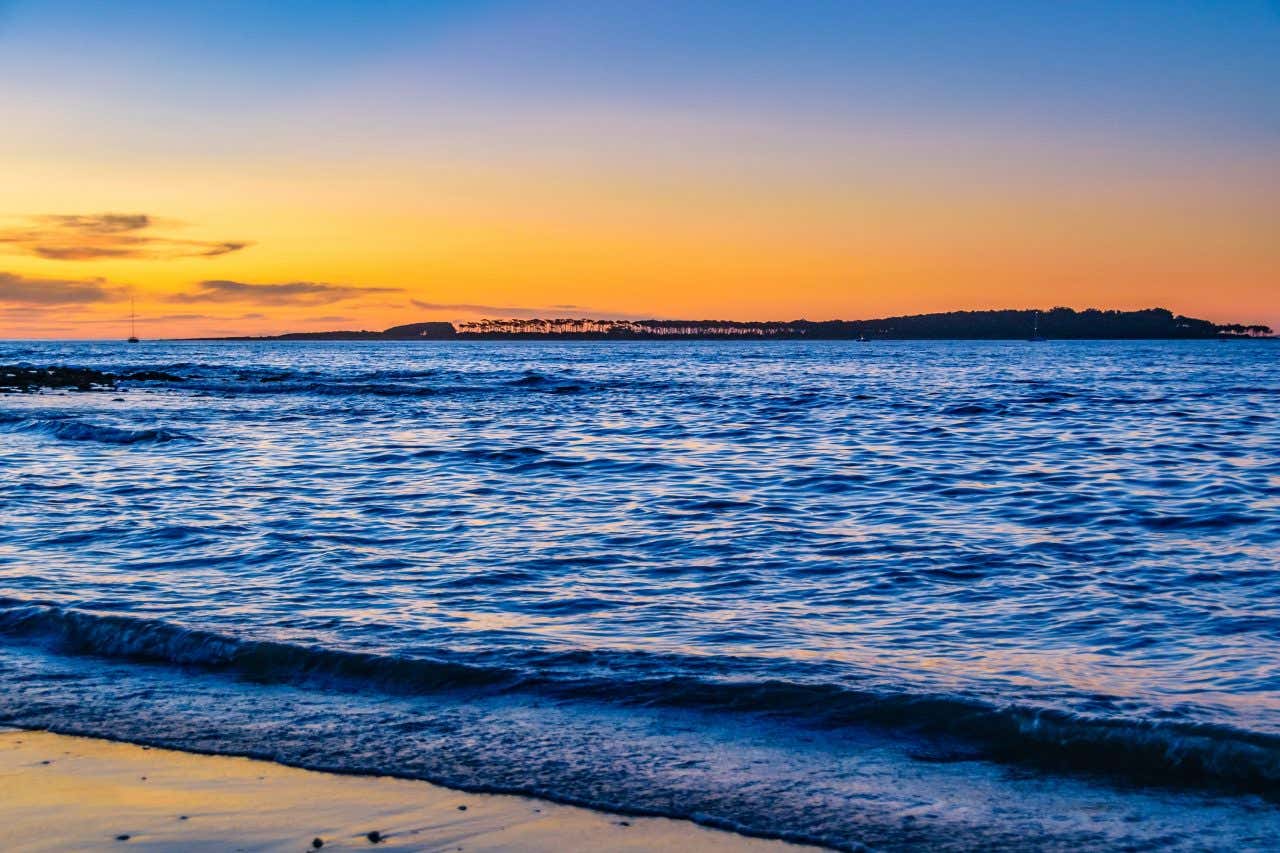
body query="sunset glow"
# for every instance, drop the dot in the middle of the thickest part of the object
(331, 165)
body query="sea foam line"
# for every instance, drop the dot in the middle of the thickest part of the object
(1154, 752)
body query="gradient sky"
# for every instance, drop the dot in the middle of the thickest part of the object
(250, 167)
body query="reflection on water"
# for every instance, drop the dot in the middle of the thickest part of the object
(1087, 528)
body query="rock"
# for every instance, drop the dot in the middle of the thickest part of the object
(462, 808)
(317, 843)
(122, 837)
(374, 837)
(16, 377)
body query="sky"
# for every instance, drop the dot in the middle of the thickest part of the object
(255, 168)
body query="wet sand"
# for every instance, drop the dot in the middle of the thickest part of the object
(72, 793)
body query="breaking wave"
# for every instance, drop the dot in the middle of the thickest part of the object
(1150, 751)
(72, 429)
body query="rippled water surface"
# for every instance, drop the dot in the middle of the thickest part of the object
(973, 554)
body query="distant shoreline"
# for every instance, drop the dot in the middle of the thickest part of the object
(1007, 324)
(304, 337)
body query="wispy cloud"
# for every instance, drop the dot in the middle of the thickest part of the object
(517, 312)
(22, 290)
(86, 237)
(168, 318)
(472, 308)
(286, 293)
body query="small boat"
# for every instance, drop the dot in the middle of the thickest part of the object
(862, 339)
(133, 331)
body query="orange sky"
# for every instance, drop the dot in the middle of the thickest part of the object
(385, 196)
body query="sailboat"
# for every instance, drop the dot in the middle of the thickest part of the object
(1035, 329)
(133, 330)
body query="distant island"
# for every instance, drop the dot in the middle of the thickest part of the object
(1008, 324)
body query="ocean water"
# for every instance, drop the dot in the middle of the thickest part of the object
(952, 594)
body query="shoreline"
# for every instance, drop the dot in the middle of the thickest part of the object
(70, 792)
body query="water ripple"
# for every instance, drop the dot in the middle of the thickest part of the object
(1082, 531)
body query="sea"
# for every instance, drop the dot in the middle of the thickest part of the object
(890, 595)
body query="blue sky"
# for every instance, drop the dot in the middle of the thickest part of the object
(942, 113)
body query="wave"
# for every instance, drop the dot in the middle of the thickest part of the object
(1150, 751)
(407, 382)
(201, 378)
(71, 429)
(155, 641)
(374, 389)
(974, 409)
(317, 388)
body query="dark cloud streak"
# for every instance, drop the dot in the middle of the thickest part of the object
(100, 223)
(87, 237)
(21, 290)
(286, 293)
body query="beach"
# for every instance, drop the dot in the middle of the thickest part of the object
(72, 793)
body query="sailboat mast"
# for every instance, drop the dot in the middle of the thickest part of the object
(133, 320)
